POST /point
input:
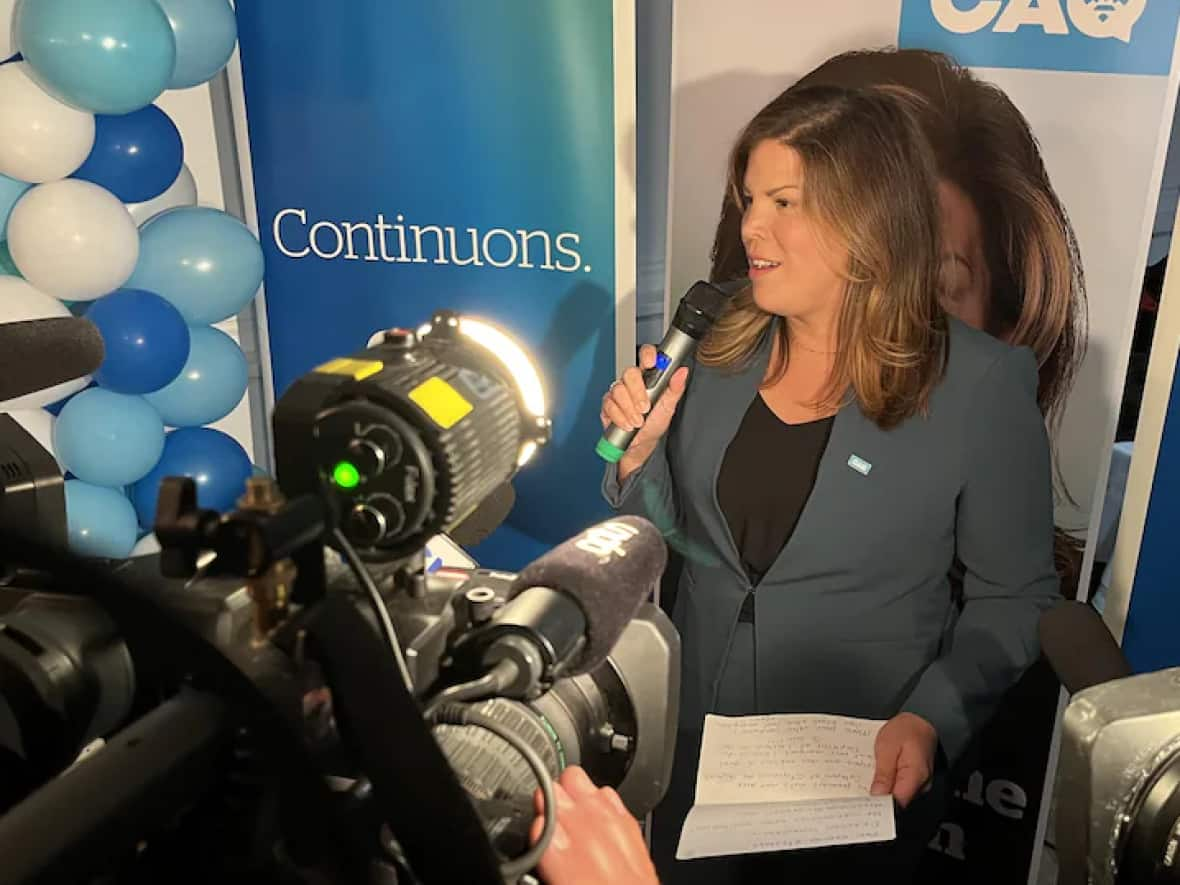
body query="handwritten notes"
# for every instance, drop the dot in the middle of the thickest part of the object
(778, 783)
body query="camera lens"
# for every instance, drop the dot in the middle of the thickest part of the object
(1152, 852)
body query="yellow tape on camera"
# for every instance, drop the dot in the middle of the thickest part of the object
(358, 370)
(442, 403)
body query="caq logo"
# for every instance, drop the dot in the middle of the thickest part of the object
(1098, 36)
(1094, 18)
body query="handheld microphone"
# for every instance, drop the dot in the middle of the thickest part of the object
(1079, 647)
(39, 354)
(698, 310)
(567, 609)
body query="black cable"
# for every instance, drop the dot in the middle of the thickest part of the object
(494, 682)
(459, 714)
(384, 623)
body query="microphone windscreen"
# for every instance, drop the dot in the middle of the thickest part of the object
(38, 354)
(610, 570)
(1079, 647)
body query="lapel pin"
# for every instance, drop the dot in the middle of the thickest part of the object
(859, 464)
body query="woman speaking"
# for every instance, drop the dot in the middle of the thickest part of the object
(837, 444)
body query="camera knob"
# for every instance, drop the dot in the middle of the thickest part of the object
(372, 520)
(367, 456)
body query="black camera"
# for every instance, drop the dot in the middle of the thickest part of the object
(290, 690)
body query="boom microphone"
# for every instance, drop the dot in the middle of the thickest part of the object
(567, 610)
(698, 310)
(1079, 647)
(38, 354)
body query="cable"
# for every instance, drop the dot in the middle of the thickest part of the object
(459, 714)
(379, 608)
(494, 682)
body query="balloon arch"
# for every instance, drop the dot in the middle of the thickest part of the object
(99, 217)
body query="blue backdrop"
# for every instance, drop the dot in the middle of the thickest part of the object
(414, 156)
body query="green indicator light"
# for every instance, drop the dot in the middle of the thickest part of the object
(346, 475)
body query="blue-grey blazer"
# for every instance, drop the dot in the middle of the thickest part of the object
(856, 615)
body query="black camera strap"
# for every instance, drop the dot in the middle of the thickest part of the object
(416, 790)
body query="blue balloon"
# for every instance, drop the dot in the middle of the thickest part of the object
(135, 156)
(11, 190)
(103, 56)
(55, 408)
(205, 262)
(145, 338)
(205, 33)
(215, 461)
(108, 439)
(100, 521)
(211, 384)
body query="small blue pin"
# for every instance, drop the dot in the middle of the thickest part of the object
(859, 464)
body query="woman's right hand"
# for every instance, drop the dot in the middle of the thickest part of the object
(626, 405)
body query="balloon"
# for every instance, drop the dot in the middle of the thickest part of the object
(145, 338)
(145, 546)
(136, 156)
(55, 407)
(100, 521)
(11, 190)
(73, 240)
(38, 423)
(182, 192)
(41, 139)
(205, 262)
(211, 384)
(205, 32)
(108, 439)
(7, 265)
(20, 301)
(215, 460)
(106, 56)
(6, 46)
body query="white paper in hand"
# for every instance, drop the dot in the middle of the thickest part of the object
(784, 782)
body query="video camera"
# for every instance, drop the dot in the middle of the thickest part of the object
(290, 692)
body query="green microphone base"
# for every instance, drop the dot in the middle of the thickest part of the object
(608, 451)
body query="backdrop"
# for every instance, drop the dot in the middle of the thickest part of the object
(414, 156)
(1097, 82)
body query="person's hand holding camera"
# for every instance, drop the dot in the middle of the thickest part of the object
(597, 841)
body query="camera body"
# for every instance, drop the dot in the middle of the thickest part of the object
(1118, 817)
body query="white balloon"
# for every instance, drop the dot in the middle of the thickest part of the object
(182, 192)
(7, 44)
(20, 301)
(39, 425)
(73, 240)
(41, 139)
(146, 546)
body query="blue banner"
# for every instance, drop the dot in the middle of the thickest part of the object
(1098, 36)
(409, 157)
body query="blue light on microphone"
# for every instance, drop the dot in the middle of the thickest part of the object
(662, 360)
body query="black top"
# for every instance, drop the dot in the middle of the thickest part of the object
(766, 478)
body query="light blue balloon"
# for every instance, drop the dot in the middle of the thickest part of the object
(104, 56)
(209, 386)
(11, 190)
(108, 439)
(205, 33)
(203, 261)
(100, 521)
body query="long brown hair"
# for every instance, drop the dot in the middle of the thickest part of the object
(870, 181)
(983, 144)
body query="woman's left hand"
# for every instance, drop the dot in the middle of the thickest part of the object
(905, 757)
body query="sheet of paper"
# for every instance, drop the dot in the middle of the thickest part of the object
(783, 758)
(712, 830)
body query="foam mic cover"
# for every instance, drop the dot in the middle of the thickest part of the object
(1079, 647)
(37, 354)
(609, 570)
